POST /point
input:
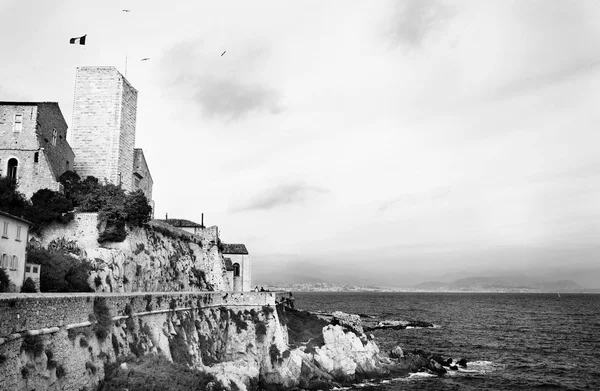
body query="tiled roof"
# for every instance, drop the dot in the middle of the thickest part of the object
(181, 223)
(234, 249)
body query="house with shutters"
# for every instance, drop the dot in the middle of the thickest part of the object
(34, 151)
(14, 236)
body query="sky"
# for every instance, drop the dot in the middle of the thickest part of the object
(385, 142)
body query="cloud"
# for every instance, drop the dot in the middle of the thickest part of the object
(414, 20)
(531, 83)
(413, 198)
(294, 193)
(228, 87)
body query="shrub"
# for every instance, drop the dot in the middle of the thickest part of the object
(48, 206)
(274, 353)
(2, 359)
(156, 373)
(260, 330)
(104, 319)
(90, 367)
(83, 343)
(60, 371)
(98, 281)
(4, 281)
(239, 321)
(25, 372)
(304, 326)
(33, 344)
(61, 272)
(28, 286)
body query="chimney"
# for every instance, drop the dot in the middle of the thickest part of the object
(202, 221)
(166, 216)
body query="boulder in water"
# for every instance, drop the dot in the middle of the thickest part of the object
(397, 352)
(462, 362)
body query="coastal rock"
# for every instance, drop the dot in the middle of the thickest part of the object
(397, 352)
(348, 321)
(462, 362)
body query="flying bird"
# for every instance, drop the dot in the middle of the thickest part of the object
(145, 59)
(223, 53)
(126, 10)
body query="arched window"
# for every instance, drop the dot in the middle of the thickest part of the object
(4, 261)
(54, 135)
(236, 269)
(11, 171)
(14, 262)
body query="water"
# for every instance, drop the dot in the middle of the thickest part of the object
(512, 341)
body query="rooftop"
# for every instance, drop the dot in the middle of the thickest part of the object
(16, 218)
(234, 249)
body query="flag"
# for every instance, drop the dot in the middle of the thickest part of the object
(78, 40)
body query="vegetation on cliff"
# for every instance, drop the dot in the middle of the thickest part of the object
(115, 207)
(44, 207)
(61, 272)
(155, 373)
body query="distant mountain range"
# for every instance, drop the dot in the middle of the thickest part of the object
(470, 284)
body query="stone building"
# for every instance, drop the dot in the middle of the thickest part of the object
(186, 225)
(33, 145)
(14, 233)
(142, 180)
(103, 129)
(240, 275)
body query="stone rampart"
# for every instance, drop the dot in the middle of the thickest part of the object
(22, 313)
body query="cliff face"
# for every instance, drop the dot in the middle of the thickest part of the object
(153, 258)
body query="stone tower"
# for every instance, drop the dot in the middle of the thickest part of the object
(103, 130)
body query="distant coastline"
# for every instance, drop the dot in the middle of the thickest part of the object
(468, 287)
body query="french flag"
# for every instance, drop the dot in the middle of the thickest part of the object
(78, 40)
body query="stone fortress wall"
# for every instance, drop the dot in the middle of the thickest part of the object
(71, 357)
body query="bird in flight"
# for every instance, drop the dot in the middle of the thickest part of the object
(223, 53)
(145, 58)
(126, 10)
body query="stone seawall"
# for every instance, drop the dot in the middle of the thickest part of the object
(20, 313)
(64, 342)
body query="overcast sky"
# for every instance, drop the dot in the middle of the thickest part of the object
(375, 140)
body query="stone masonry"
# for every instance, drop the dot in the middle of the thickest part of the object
(39, 147)
(104, 120)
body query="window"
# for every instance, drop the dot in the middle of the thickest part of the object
(35, 269)
(18, 238)
(36, 157)
(67, 166)
(236, 269)
(14, 262)
(5, 230)
(27, 269)
(18, 125)
(12, 167)
(54, 135)
(4, 261)
(137, 182)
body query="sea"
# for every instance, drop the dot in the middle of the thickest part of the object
(520, 341)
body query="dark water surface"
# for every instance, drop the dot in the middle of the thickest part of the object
(512, 341)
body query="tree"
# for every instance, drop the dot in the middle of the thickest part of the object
(11, 201)
(4, 281)
(138, 209)
(48, 206)
(28, 286)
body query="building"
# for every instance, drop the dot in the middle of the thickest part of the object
(13, 243)
(186, 225)
(34, 150)
(103, 129)
(240, 275)
(142, 180)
